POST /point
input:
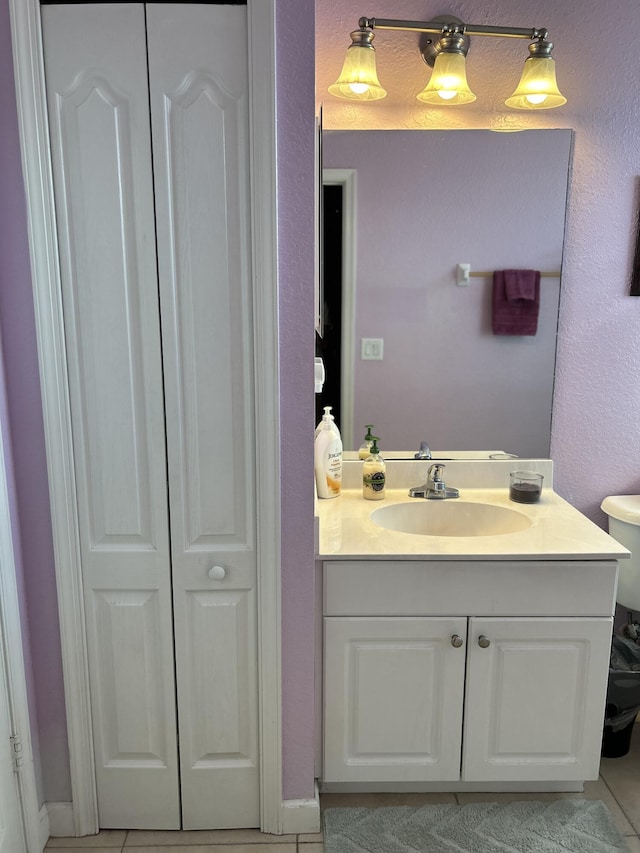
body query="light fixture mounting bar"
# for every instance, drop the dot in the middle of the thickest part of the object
(452, 27)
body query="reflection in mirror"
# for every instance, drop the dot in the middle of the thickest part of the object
(406, 208)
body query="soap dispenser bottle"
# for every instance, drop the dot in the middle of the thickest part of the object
(328, 459)
(374, 474)
(365, 448)
(334, 426)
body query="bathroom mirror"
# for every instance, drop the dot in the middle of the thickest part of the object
(403, 209)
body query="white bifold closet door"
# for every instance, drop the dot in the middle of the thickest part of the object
(148, 117)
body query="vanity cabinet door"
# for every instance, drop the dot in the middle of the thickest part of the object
(536, 691)
(393, 696)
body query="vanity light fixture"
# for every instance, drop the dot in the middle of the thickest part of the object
(536, 90)
(448, 81)
(359, 78)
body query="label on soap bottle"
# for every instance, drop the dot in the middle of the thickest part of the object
(328, 464)
(373, 480)
(334, 470)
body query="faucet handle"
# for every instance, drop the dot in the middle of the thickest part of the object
(435, 486)
(437, 476)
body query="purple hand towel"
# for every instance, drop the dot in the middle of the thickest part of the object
(516, 301)
(520, 284)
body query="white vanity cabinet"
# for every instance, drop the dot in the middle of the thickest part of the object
(535, 699)
(394, 692)
(502, 694)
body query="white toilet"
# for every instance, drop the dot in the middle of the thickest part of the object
(624, 526)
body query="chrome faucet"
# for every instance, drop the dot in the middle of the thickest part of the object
(434, 488)
(424, 452)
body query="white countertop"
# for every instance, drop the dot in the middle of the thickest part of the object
(558, 531)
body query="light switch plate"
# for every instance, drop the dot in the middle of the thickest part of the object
(371, 349)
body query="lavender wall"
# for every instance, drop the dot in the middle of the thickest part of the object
(296, 182)
(296, 138)
(426, 201)
(32, 521)
(19, 567)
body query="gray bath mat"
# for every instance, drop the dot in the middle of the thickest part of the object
(523, 826)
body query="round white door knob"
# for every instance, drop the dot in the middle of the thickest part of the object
(217, 573)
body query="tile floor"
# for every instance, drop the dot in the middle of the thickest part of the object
(618, 787)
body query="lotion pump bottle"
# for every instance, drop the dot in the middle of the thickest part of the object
(328, 459)
(334, 426)
(365, 448)
(374, 474)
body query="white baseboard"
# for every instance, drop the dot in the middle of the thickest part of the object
(59, 820)
(43, 826)
(301, 816)
(298, 816)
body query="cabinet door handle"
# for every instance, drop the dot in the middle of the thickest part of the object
(484, 642)
(456, 641)
(217, 573)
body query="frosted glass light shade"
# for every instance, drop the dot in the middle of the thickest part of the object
(537, 89)
(359, 79)
(448, 82)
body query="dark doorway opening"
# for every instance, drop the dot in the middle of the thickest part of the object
(329, 346)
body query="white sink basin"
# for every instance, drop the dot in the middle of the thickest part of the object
(450, 517)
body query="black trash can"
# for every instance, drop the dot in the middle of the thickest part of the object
(615, 744)
(623, 697)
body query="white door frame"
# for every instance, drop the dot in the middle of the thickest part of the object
(11, 646)
(32, 117)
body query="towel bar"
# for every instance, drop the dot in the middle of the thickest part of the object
(489, 274)
(463, 274)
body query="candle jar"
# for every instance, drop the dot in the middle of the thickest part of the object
(525, 487)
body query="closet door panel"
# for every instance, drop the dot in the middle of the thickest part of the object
(203, 127)
(199, 110)
(97, 93)
(221, 725)
(130, 684)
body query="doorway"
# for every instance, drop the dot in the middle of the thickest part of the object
(329, 343)
(339, 282)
